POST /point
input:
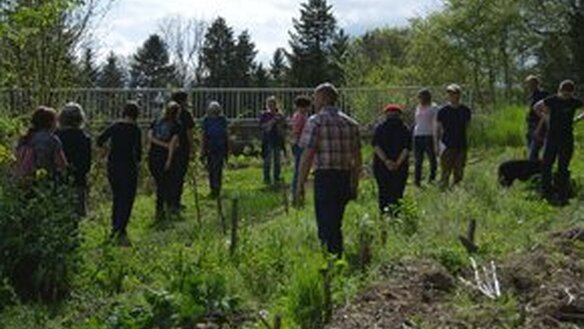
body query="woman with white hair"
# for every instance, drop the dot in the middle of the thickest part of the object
(77, 149)
(215, 145)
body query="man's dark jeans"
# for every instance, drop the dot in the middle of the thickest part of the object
(332, 189)
(297, 152)
(424, 145)
(391, 186)
(165, 184)
(181, 168)
(561, 150)
(534, 146)
(123, 178)
(215, 162)
(272, 153)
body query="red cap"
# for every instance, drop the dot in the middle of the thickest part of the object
(393, 108)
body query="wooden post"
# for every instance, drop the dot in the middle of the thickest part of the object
(328, 300)
(234, 224)
(277, 322)
(221, 215)
(468, 241)
(286, 201)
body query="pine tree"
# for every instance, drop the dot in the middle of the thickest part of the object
(338, 54)
(278, 68)
(217, 55)
(243, 61)
(150, 67)
(261, 78)
(89, 72)
(310, 41)
(111, 74)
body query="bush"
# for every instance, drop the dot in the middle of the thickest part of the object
(306, 299)
(504, 127)
(38, 239)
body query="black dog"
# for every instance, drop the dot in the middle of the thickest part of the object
(522, 170)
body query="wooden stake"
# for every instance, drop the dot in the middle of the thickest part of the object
(221, 215)
(234, 224)
(286, 201)
(469, 241)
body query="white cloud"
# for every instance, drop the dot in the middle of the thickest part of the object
(130, 22)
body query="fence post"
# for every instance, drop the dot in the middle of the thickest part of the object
(234, 225)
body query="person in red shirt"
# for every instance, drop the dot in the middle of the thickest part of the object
(303, 105)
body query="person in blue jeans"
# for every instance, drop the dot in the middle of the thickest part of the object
(557, 113)
(125, 152)
(273, 125)
(424, 139)
(215, 145)
(303, 106)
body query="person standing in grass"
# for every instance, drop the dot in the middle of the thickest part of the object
(185, 146)
(557, 113)
(534, 140)
(331, 140)
(451, 136)
(303, 105)
(125, 152)
(164, 138)
(77, 148)
(424, 139)
(272, 123)
(215, 145)
(391, 142)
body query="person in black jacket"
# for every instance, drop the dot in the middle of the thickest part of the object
(184, 149)
(125, 152)
(77, 148)
(392, 143)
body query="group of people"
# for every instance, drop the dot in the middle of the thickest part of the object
(323, 137)
(57, 144)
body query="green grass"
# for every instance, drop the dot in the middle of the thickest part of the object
(278, 260)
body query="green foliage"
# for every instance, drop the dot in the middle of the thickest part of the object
(502, 127)
(111, 74)
(150, 67)
(38, 239)
(306, 299)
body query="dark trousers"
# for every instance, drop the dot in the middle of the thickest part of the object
(123, 178)
(215, 162)
(534, 146)
(332, 189)
(424, 145)
(561, 151)
(165, 183)
(391, 186)
(297, 152)
(272, 158)
(452, 162)
(181, 166)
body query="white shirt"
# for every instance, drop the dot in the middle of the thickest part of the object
(425, 117)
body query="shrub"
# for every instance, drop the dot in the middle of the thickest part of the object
(38, 239)
(306, 299)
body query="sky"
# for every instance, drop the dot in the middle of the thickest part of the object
(129, 22)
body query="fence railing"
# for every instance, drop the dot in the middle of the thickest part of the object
(104, 105)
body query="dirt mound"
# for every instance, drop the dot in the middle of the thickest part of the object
(547, 282)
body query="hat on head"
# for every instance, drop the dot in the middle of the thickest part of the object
(393, 108)
(453, 88)
(531, 78)
(568, 86)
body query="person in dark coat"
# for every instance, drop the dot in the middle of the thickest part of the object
(215, 146)
(535, 137)
(392, 144)
(185, 147)
(77, 147)
(125, 152)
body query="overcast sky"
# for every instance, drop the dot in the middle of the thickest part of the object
(129, 22)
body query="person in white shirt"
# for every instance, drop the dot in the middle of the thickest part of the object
(424, 139)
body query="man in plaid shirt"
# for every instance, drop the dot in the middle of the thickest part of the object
(331, 140)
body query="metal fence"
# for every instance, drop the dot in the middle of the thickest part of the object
(104, 105)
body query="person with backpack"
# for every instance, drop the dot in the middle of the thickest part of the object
(185, 146)
(40, 148)
(392, 142)
(557, 114)
(77, 148)
(215, 145)
(424, 139)
(272, 123)
(164, 139)
(125, 152)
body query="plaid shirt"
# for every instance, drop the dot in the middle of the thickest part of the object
(335, 137)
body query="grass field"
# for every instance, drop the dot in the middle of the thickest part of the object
(182, 274)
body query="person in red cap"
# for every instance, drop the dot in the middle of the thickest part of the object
(392, 143)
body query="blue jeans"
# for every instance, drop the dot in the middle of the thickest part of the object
(332, 190)
(215, 162)
(297, 152)
(424, 145)
(534, 146)
(272, 157)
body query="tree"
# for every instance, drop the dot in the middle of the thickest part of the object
(217, 55)
(261, 77)
(89, 72)
(184, 38)
(338, 57)
(278, 68)
(150, 66)
(310, 42)
(243, 61)
(112, 73)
